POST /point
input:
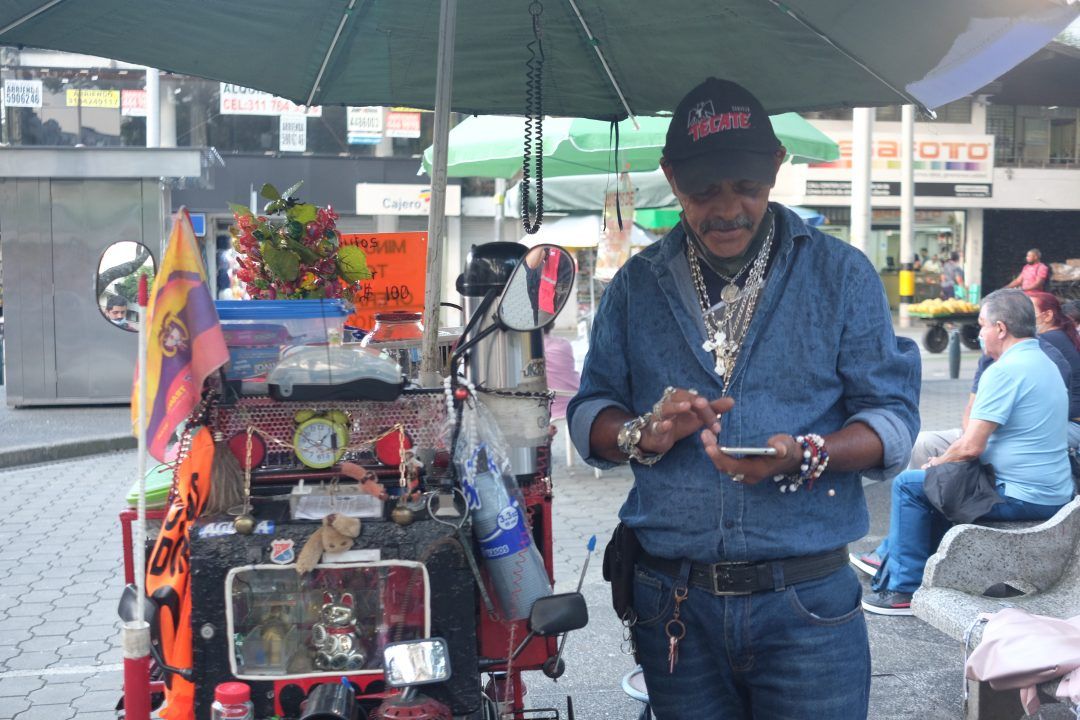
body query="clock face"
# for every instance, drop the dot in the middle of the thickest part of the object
(319, 443)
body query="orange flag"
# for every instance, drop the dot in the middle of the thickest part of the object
(168, 576)
(184, 339)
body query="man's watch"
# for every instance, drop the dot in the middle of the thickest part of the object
(629, 437)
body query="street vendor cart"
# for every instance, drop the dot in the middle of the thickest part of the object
(333, 526)
(936, 338)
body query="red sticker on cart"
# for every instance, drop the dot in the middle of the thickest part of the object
(282, 551)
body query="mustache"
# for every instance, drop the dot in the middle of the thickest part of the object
(741, 222)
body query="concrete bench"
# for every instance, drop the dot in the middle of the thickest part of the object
(1041, 561)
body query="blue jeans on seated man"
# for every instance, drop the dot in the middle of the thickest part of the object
(768, 655)
(916, 528)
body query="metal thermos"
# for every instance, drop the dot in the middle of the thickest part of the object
(505, 360)
(330, 701)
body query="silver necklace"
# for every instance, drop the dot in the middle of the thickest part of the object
(726, 327)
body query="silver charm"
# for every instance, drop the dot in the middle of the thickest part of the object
(730, 293)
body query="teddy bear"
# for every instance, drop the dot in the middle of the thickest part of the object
(336, 535)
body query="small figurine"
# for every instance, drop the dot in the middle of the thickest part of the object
(337, 645)
(272, 632)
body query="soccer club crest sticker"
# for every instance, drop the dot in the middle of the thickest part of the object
(282, 551)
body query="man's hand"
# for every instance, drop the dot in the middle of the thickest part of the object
(683, 413)
(753, 470)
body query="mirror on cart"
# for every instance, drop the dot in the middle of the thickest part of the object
(538, 288)
(117, 282)
(416, 662)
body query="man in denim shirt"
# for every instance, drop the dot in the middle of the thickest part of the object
(744, 604)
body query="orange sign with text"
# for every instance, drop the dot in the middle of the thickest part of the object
(398, 263)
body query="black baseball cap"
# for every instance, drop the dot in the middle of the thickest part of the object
(720, 131)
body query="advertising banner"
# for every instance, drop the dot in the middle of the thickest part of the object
(133, 103)
(292, 133)
(944, 166)
(403, 124)
(613, 249)
(22, 93)
(364, 125)
(92, 98)
(389, 199)
(237, 100)
(398, 264)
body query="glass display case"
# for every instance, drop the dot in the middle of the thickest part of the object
(335, 619)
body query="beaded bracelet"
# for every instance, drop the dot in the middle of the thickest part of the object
(815, 458)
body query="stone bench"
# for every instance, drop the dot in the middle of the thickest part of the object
(1041, 561)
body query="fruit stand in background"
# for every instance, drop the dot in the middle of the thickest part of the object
(938, 313)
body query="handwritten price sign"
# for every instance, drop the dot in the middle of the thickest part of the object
(398, 262)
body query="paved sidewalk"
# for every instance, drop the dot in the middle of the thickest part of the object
(41, 434)
(60, 578)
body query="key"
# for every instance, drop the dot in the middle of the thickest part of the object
(675, 630)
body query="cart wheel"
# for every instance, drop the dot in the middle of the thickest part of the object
(936, 339)
(969, 335)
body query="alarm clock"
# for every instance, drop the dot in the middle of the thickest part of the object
(320, 442)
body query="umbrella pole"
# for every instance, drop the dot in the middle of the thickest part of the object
(135, 638)
(430, 366)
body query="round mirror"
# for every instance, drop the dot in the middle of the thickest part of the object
(117, 284)
(538, 288)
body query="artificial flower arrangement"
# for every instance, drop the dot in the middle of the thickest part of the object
(293, 250)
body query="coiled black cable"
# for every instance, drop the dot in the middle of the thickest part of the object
(534, 124)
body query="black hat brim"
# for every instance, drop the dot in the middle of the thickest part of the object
(697, 174)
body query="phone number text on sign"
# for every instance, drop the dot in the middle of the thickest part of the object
(398, 264)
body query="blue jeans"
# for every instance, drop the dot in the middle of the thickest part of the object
(766, 656)
(916, 528)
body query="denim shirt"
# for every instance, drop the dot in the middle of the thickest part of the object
(819, 354)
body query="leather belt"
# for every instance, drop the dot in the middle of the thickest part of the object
(743, 578)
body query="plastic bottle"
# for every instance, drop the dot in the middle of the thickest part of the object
(512, 560)
(232, 701)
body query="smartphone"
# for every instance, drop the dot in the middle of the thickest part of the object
(770, 451)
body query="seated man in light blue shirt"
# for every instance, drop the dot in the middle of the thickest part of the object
(1018, 425)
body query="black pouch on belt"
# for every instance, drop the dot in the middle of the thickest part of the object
(619, 557)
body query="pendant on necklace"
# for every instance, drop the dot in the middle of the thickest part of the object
(720, 365)
(730, 293)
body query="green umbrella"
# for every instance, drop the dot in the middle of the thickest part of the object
(602, 57)
(491, 146)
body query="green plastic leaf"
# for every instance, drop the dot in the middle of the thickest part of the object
(270, 192)
(282, 263)
(352, 263)
(292, 190)
(302, 213)
(306, 254)
(241, 210)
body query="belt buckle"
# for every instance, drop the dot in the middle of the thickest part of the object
(721, 573)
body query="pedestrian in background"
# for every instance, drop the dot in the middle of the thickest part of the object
(952, 277)
(1034, 275)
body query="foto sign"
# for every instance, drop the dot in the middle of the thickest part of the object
(238, 100)
(944, 165)
(22, 93)
(387, 199)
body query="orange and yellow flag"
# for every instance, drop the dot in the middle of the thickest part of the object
(184, 339)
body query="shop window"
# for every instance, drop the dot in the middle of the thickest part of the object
(117, 282)
(1062, 141)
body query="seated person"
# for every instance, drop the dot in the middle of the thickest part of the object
(1017, 425)
(1071, 309)
(1058, 329)
(932, 443)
